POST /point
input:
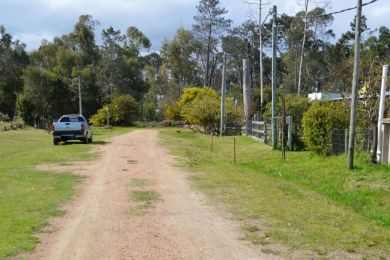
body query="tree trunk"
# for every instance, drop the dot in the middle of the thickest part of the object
(208, 58)
(303, 49)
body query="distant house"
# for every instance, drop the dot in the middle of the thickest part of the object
(325, 96)
(335, 96)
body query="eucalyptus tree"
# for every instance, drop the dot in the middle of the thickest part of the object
(179, 58)
(210, 25)
(109, 76)
(135, 41)
(306, 67)
(120, 67)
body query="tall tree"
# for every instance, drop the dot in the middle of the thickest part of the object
(306, 67)
(83, 40)
(303, 47)
(13, 60)
(179, 58)
(120, 67)
(109, 75)
(210, 25)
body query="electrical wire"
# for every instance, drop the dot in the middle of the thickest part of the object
(341, 11)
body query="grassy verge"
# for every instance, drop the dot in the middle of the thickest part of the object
(28, 197)
(305, 203)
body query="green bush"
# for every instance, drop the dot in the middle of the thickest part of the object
(123, 111)
(26, 109)
(100, 118)
(319, 121)
(174, 111)
(203, 112)
(234, 115)
(200, 107)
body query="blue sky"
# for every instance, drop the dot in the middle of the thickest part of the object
(34, 20)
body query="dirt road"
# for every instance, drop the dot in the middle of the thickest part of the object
(103, 222)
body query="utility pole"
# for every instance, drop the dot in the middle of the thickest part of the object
(355, 83)
(247, 97)
(274, 39)
(108, 116)
(40, 97)
(223, 90)
(107, 108)
(261, 62)
(80, 100)
(381, 113)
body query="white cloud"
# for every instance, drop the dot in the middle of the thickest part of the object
(380, 11)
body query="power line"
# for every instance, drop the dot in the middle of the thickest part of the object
(336, 12)
(342, 11)
(351, 8)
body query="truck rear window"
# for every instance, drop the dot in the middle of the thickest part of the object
(67, 119)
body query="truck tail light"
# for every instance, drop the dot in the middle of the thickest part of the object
(82, 128)
(53, 127)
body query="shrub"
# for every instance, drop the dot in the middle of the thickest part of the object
(100, 118)
(200, 107)
(295, 106)
(234, 115)
(203, 112)
(319, 121)
(174, 111)
(7, 125)
(26, 109)
(123, 111)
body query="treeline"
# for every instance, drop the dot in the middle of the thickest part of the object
(44, 83)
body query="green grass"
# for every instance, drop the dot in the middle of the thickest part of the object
(304, 203)
(28, 197)
(139, 182)
(144, 196)
(144, 199)
(140, 209)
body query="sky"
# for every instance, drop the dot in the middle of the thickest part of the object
(33, 20)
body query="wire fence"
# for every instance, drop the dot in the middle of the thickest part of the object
(364, 140)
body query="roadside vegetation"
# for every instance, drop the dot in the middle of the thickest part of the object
(305, 203)
(6, 124)
(200, 108)
(28, 197)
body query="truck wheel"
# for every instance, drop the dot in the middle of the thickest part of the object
(55, 142)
